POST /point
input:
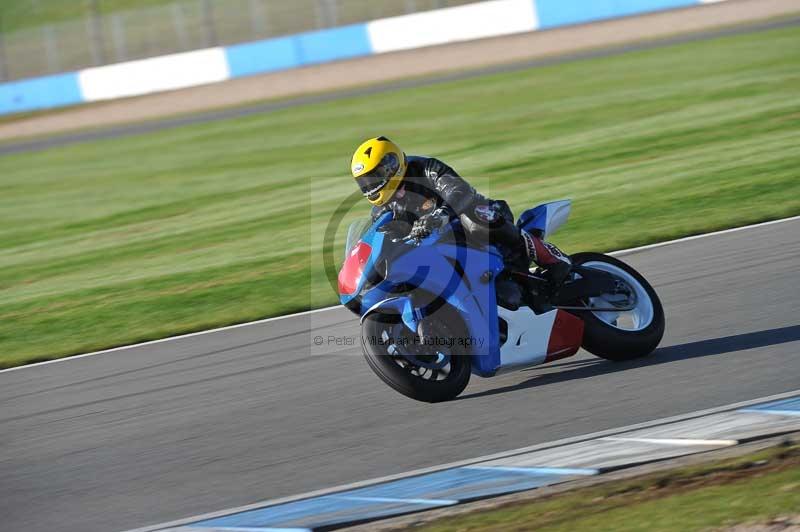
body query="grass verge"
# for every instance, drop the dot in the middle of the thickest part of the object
(129, 239)
(753, 488)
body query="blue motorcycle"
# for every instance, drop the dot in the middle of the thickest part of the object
(431, 314)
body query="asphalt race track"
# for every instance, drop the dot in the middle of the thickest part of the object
(169, 430)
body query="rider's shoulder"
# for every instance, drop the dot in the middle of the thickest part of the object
(417, 161)
(420, 165)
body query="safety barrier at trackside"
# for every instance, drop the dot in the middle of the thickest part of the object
(467, 22)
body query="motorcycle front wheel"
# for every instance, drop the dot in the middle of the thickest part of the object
(431, 371)
(625, 334)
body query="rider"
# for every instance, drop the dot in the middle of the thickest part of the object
(426, 194)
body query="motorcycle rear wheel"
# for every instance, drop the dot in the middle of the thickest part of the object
(383, 334)
(624, 335)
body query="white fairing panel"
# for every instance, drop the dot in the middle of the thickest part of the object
(557, 215)
(528, 337)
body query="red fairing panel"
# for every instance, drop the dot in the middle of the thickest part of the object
(566, 336)
(353, 268)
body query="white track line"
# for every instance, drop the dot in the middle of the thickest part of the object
(473, 462)
(704, 235)
(675, 441)
(776, 412)
(172, 338)
(306, 313)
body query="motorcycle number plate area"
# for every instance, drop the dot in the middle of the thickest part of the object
(534, 339)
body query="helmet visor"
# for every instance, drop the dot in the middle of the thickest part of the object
(372, 182)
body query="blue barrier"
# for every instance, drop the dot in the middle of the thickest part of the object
(554, 13)
(334, 44)
(262, 56)
(40, 93)
(293, 51)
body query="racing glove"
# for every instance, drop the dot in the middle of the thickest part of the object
(429, 223)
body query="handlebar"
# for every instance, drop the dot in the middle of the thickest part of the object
(417, 241)
(408, 240)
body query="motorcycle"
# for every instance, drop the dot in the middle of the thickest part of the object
(431, 313)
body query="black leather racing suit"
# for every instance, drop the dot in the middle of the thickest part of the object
(430, 185)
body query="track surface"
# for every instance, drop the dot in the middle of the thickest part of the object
(164, 431)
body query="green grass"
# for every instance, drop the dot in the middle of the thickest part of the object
(129, 239)
(750, 489)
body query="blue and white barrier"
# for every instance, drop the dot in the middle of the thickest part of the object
(462, 23)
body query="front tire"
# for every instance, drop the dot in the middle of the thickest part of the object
(382, 336)
(619, 336)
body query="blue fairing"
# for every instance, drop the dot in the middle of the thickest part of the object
(534, 219)
(453, 272)
(545, 218)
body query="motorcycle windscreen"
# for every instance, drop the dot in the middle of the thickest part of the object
(355, 231)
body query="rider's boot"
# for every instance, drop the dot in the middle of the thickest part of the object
(556, 264)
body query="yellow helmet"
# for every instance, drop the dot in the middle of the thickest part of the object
(379, 166)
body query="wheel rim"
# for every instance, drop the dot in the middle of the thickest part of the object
(434, 363)
(636, 319)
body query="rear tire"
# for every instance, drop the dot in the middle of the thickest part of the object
(611, 342)
(390, 368)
